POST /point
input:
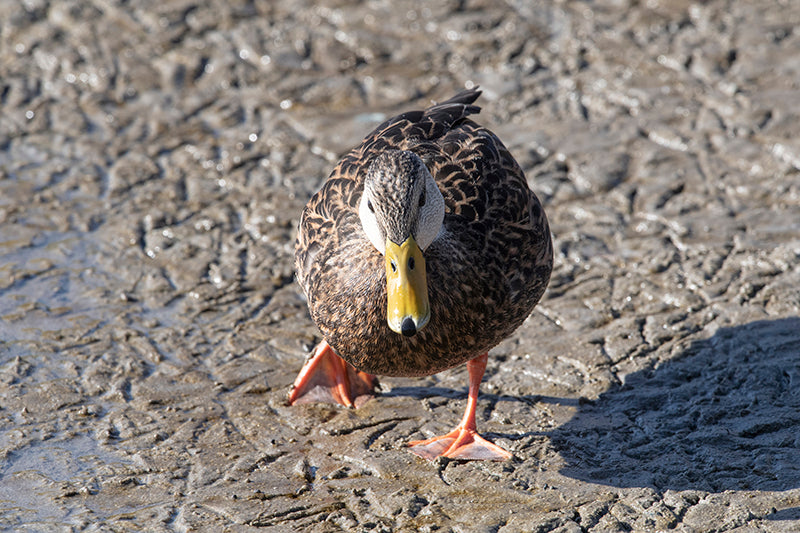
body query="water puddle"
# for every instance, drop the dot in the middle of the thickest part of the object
(33, 480)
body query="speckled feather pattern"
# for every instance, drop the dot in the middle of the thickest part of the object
(485, 273)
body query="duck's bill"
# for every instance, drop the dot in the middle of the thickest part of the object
(406, 287)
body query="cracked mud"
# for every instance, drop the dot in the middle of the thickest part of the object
(154, 159)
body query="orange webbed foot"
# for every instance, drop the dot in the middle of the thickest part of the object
(461, 443)
(328, 378)
(464, 442)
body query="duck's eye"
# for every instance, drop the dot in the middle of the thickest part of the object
(411, 263)
(369, 206)
(394, 266)
(422, 199)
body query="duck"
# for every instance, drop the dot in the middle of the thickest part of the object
(422, 251)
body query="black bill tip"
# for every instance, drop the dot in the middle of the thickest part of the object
(408, 328)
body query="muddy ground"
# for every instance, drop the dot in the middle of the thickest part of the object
(154, 159)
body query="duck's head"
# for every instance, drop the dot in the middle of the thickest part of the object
(402, 211)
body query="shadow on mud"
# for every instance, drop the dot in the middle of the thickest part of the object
(792, 513)
(722, 415)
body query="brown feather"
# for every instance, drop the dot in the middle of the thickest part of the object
(485, 274)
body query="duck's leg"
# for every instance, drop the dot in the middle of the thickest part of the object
(464, 442)
(328, 378)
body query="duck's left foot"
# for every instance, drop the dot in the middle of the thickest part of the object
(328, 378)
(461, 443)
(464, 442)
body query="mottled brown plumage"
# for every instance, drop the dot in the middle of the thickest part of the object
(486, 271)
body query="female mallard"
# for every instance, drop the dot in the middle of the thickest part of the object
(423, 250)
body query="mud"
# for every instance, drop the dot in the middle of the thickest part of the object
(154, 159)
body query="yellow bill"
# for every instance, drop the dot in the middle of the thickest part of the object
(406, 287)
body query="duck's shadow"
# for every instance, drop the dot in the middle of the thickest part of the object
(427, 391)
(724, 414)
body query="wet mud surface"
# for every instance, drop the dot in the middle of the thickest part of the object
(154, 159)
